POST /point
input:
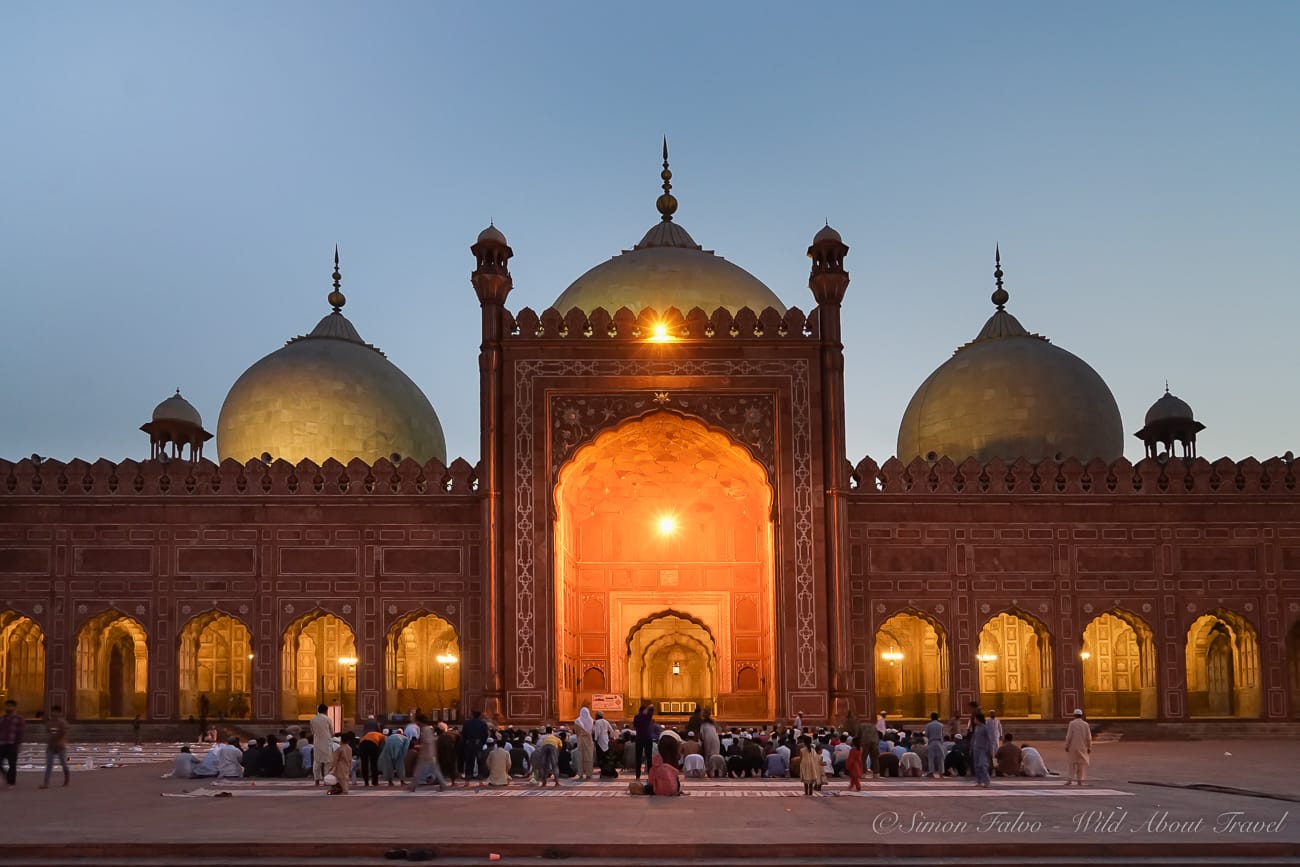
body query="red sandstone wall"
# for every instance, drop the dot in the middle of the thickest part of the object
(163, 543)
(1064, 543)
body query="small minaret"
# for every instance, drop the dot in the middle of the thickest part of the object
(1169, 421)
(177, 422)
(492, 283)
(829, 281)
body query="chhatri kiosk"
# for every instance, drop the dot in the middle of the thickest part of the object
(662, 511)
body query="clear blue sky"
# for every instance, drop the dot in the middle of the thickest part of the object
(177, 174)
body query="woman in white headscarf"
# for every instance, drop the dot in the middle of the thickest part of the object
(582, 727)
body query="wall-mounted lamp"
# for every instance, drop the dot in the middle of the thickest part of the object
(677, 668)
(987, 657)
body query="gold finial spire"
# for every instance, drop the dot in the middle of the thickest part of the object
(667, 203)
(1000, 295)
(336, 298)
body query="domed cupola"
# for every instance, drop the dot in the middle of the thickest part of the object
(1011, 394)
(668, 269)
(328, 394)
(1169, 421)
(177, 423)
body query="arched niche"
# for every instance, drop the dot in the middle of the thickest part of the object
(314, 666)
(1015, 666)
(1119, 666)
(112, 667)
(1223, 678)
(22, 662)
(214, 661)
(911, 662)
(672, 663)
(423, 665)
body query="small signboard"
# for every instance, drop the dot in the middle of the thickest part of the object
(607, 702)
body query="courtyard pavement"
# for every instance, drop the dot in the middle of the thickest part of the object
(1134, 806)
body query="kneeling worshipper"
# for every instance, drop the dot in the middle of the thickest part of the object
(184, 764)
(693, 765)
(1031, 763)
(230, 760)
(341, 764)
(498, 765)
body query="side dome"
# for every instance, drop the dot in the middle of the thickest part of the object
(328, 395)
(668, 269)
(1010, 394)
(1168, 408)
(177, 408)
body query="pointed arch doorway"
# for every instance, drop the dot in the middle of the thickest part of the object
(664, 557)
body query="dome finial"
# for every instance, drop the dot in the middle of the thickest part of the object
(667, 203)
(1166, 386)
(336, 298)
(1000, 295)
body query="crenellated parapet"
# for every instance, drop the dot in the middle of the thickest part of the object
(1275, 476)
(671, 325)
(230, 478)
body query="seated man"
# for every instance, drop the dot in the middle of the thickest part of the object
(184, 764)
(1008, 758)
(693, 765)
(1031, 763)
(230, 759)
(209, 766)
(910, 764)
(498, 765)
(777, 768)
(664, 778)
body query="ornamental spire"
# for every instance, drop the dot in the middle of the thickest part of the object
(1000, 296)
(667, 203)
(336, 298)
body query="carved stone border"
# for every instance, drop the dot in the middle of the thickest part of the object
(525, 480)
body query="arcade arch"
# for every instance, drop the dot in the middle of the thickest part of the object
(1015, 666)
(1223, 667)
(423, 665)
(1119, 666)
(312, 670)
(214, 659)
(911, 659)
(22, 662)
(662, 513)
(112, 667)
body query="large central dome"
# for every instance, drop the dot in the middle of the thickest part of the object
(668, 269)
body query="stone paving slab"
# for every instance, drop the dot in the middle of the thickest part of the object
(105, 812)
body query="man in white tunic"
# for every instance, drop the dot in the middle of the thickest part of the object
(322, 740)
(1078, 748)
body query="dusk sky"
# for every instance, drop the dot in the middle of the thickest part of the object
(176, 176)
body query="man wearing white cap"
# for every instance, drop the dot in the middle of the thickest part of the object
(1078, 748)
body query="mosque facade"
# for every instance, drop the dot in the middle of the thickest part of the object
(663, 511)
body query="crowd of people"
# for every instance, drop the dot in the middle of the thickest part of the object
(414, 751)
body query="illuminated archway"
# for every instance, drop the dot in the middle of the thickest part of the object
(112, 667)
(1119, 666)
(214, 660)
(315, 667)
(1015, 666)
(22, 662)
(1223, 667)
(911, 659)
(662, 512)
(423, 665)
(672, 665)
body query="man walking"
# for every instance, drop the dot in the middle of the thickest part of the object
(1078, 748)
(322, 740)
(56, 746)
(426, 762)
(11, 738)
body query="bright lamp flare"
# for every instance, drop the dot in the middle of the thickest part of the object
(667, 525)
(659, 333)
(447, 659)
